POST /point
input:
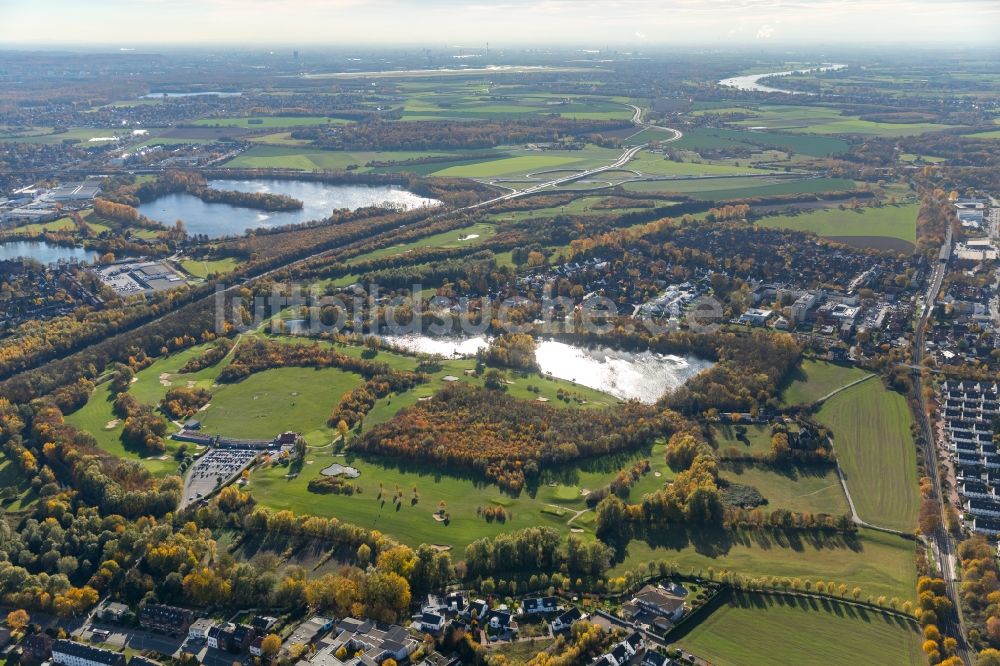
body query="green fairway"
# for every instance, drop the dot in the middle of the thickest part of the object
(878, 563)
(871, 437)
(553, 502)
(899, 221)
(269, 403)
(202, 268)
(97, 417)
(807, 489)
(814, 379)
(762, 630)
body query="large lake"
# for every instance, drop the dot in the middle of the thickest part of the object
(644, 376)
(43, 252)
(318, 199)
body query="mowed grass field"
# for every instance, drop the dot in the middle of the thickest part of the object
(814, 379)
(762, 630)
(16, 493)
(877, 562)
(201, 268)
(899, 221)
(812, 489)
(872, 440)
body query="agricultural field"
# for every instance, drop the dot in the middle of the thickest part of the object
(815, 379)
(893, 222)
(828, 120)
(985, 135)
(877, 562)
(760, 630)
(476, 103)
(262, 122)
(806, 489)
(721, 189)
(721, 139)
(84, 135)
(656, 165)
(523, 162)
(872, 440)
(309, 159)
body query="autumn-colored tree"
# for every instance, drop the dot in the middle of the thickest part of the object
(271, 644)
(17, 620)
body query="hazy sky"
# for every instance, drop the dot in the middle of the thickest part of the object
(126, 23)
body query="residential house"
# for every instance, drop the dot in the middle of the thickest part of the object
(37, 647)
(437, 659)
(71, 653)
(539, 606)
(654, 658)
(432, 623)
(243, 634)
(263, 624)
(310, 631)
(565, 620)
(199, 629)
(166, 619)
(220, 636)
(114, 612)
(374, 641)
(654, 601)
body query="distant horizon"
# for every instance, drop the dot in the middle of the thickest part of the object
(637, 24)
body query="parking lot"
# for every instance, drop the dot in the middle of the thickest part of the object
(213, 469)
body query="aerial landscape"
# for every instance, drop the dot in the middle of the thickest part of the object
(545, 332)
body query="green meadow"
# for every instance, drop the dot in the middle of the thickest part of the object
(814, 379)
(899, 221)
(877, 562)
(872, 440)
(761, 630)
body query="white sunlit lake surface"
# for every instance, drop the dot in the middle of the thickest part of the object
(318, 199)
(644, 376)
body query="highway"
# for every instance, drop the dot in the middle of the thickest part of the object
(625, 158)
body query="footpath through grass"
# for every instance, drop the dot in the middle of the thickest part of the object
(815, 379)
(761, 630)
(872, 440)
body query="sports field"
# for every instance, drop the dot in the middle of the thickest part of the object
(814, 379)
(762, 630)
(872, 440)
(899, 221)
(878, 563)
